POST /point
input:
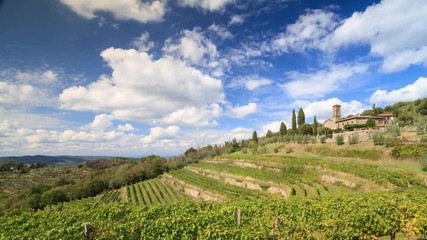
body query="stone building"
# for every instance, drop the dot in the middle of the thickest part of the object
(338, 122)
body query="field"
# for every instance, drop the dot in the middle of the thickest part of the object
(312, 192)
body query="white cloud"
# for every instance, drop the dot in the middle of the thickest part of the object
(157, 133)
(24, 95)
(144, 89)
(411, 92)
(308, 32)
(323, 109)
(250, 82)
(273, 126)
(142, 43)
(236, 19)
(392, 28)
(45, 77)
(142, 11)
(192, 47)
(220, 31)
(243, 111)
(211, 5)
(102, 122)
(194, 116)
(320, 83)
(125, 128)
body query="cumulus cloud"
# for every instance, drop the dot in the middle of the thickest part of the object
(250, 82)
(323, 109)
(24, 95)
(125, 128)
(192, 47)
(194, 116)
(308, 32)
(411, 92)
(210, 5)
(162, 133)
(392, 28)
(236, 19)
(43, 77)
(142, 42)
(220, 31)
(320, 83)
(243, 111)
(144, 89)
(141, 11)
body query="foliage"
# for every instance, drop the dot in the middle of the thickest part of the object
(306, 129)
(339, 139)
(283, 130)
(326, 151)
(294, 122)
(424, 163)
(269, 134)
(409, 151)
(323, 139)
(353, 139)
(335, 217)
(351, 127)
(421, 106)
(370, 123)
(254, 137)
(315, 125)
(301, 117)
(276, 149)
(378, 139)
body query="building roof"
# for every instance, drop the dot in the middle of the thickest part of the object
(360, 117)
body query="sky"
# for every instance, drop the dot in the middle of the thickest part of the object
(139, 77)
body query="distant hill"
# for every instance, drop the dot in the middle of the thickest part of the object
(52, 160)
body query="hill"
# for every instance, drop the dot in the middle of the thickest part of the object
(52, 160)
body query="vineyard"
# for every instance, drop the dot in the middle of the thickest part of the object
(345, 217)
(145, 193)
(263, 196)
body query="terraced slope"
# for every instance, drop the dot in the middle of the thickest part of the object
(148, 192)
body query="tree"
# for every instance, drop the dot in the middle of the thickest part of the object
(294, 122)
(269, 134)
(370, 123)
(315, 126)
(301, 117)
(306, 129)
(283, 130)
(254, 137)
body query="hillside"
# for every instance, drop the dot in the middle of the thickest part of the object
(308, 191)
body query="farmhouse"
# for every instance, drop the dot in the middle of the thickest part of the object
(338, 122)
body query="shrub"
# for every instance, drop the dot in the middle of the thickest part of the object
(254, 149)
(390, 142)
(276, 149)
(289, 150)
(378, 139)
(244, 150)
(322, 139)
(424, 163)
(262, 149)
(340, 139)
(409, 151)
(353, 139)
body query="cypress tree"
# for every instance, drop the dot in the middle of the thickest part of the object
(301, 117)
(283, 130)
(294, 122)
(315, 126)
(254, 137)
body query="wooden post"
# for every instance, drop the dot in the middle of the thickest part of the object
(276, 223)
(86, 229)
(393, 235)
(239, 216)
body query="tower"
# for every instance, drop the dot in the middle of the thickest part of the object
(336, 112)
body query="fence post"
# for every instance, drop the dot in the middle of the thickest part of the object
(86, 231)
(276, 223)
(239, 216)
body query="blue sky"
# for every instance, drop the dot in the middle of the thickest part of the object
(136, 77)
